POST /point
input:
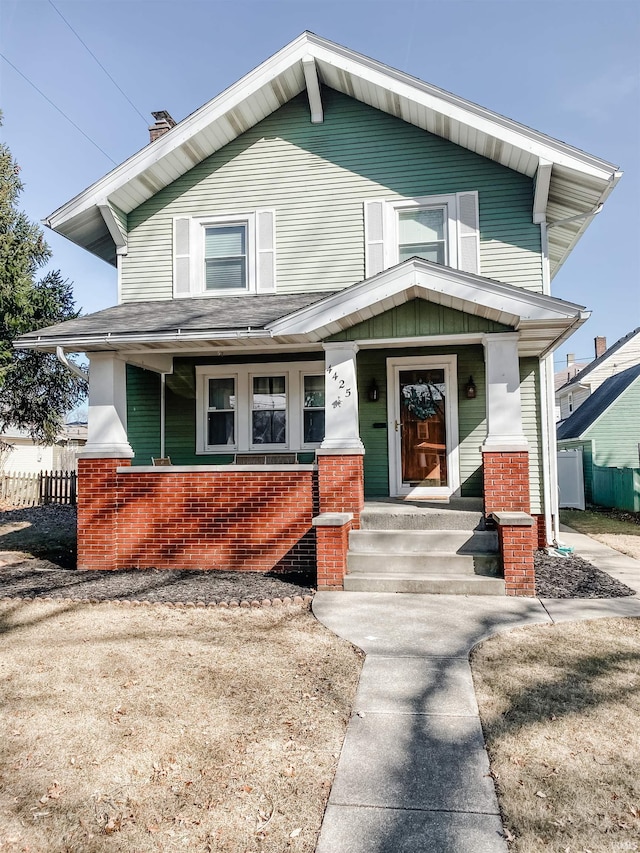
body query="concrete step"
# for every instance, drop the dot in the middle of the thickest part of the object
(409, 517)
(433, 584)
(423, 541)
(433, 563)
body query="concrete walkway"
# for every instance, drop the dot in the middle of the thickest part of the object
(413, 775)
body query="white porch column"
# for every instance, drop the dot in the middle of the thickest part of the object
(342, 430)
(504, 406)
(107, 426)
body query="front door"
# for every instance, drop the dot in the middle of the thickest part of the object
(423, 426)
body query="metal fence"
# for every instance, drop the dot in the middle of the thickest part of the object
(616, 487)
(46, 487)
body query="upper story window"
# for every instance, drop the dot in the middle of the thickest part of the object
(421, 233)
(440, 229)
(225, 257)
(229, 254)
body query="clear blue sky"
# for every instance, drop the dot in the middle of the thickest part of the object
(568, 69)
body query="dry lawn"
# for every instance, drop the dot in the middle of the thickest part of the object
(158, 729)
(560, 708)
(621, 533)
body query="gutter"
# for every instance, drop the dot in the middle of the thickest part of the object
(42, 342)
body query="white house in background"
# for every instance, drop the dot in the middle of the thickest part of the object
(608, 362)
(25, 456)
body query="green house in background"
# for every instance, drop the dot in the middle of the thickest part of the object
(334, 286)
(606, 428)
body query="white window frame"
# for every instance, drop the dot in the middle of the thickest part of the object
(199, 224)
(393, 207)
(207, 409)
(322, 374)
(294, 373)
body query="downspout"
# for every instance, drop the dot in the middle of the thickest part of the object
(163, 385)
(548, 426)
(73, 368)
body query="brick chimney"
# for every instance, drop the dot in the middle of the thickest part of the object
(600, 345)
(164, 123)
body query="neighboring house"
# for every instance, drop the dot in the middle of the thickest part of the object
(334, 283)
(606, 426)
(623, 354)
(22, 455)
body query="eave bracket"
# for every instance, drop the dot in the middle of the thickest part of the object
(313, 89)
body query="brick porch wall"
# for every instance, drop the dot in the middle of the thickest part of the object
(227, 520)
(517, 545)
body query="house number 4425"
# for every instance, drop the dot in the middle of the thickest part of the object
(333, 374)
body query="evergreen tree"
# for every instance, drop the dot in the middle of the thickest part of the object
(35, 389)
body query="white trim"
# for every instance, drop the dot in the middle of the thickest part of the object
(503, 302)
(118, 237)
(542, 182)
(313, 88)
(198, 227)
(448, 363)
(243, 374)
(437, 202)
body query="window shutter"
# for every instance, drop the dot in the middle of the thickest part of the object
(181, 257)
(468, 232)
(373, 237)
(266, 251)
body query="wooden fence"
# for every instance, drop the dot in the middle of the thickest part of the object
(617, 487)
(47, 487)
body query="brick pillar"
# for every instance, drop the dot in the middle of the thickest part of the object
(541, 531)
(97, 513)
(517, 536)
(506, 481)
(332, 544)
(341, 484)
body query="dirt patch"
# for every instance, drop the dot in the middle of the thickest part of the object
(161, 729)
(559, 707)
(623, 542)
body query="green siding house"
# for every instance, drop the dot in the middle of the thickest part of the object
(334, 287)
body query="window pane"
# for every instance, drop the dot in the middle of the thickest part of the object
(222, 394)
(269, 392)
(421, 225)
(313, 392)
(224, 241)
(313, 426)
(220, 428)
(269, 427)
(429, 251)
(225, 273)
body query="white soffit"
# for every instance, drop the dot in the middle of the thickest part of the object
(577, 184)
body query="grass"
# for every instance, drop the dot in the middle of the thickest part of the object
(590, 522)
(560, 706)
(151, 728)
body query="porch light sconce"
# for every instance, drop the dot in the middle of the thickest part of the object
(470, 389)
(373, 393)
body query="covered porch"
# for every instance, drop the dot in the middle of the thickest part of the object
(428, 383)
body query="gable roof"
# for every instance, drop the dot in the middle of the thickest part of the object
(570, 185)
(597, 403)
(612, 350)
(304, 319)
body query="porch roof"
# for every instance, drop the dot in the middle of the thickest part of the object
(301, 320)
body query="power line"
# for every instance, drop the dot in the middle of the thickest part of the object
(56, 107)
(91, 53)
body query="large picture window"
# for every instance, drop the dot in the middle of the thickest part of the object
(240, 409)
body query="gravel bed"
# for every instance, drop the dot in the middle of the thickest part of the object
(573, 577)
